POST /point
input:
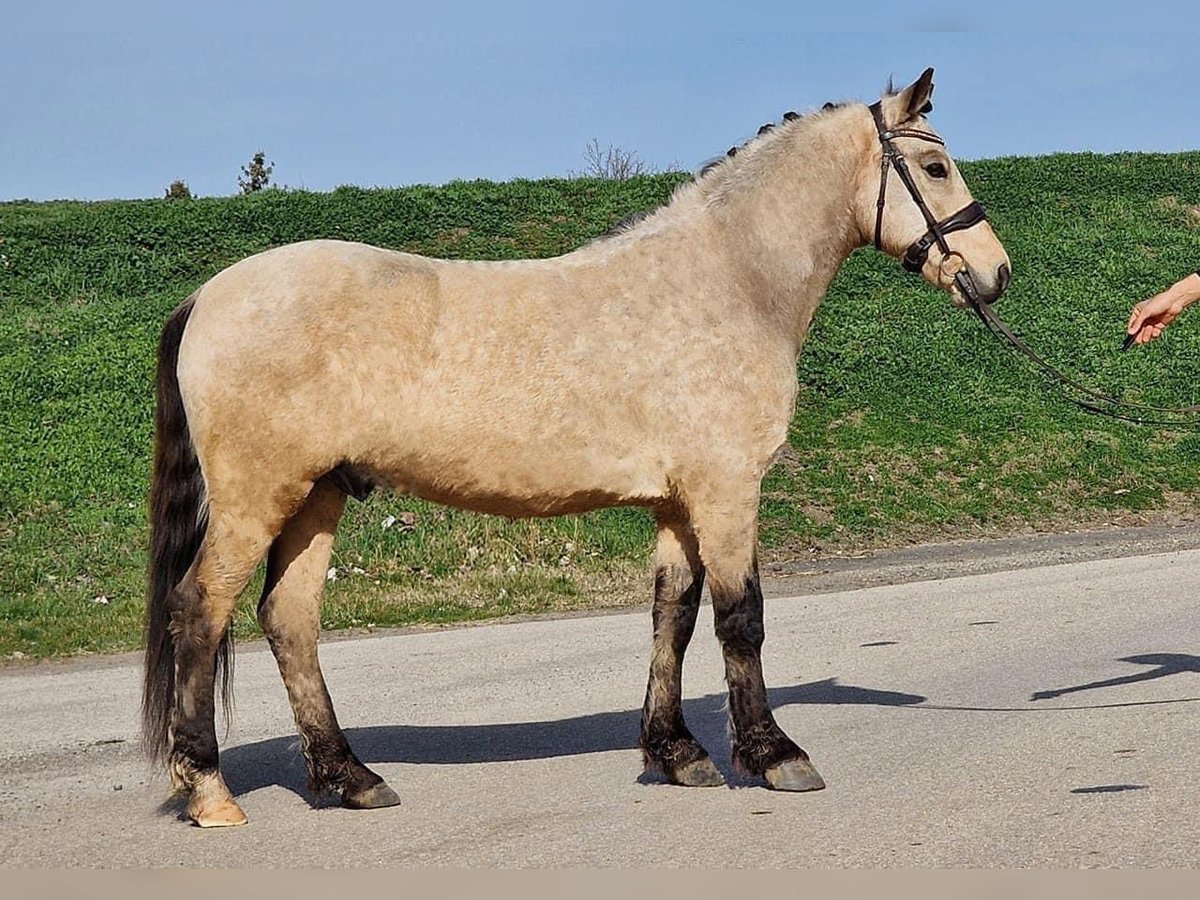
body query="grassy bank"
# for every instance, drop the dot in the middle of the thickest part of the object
(912, 422)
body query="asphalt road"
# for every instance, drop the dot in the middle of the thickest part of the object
(511, 744)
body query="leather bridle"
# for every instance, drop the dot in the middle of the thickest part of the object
(918, 251)
(953, 265)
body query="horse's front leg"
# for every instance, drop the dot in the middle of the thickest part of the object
(728, 539)
(666, 742)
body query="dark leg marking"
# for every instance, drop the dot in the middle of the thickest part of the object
(198, 626)
(666, 742)
(193, 735)
(760, 746)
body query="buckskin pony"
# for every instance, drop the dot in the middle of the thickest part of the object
(655, 367)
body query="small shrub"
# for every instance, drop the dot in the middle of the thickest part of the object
(178, 190)
(256, 174)
(612, 163)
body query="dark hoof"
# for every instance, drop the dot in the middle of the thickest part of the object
(377, 796)
(701, 773)
(794, 775)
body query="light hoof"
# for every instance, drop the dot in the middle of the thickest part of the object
(701, 773)
(223, 814)
(377, 796)
(211, 805)
(794, 775)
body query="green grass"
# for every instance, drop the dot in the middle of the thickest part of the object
(912, 422)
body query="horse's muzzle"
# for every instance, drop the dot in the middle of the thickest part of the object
(991, 289)
(1003, 277)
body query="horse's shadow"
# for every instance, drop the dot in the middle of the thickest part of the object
(276, 761)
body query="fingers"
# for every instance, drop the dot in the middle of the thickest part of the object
(1148, 318)
(1148, 309)
(1148, 333)
(1135, 319)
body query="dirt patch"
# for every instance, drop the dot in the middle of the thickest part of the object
(928, 562)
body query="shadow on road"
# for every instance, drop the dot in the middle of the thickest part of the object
(277, 761)
(1109, 788)
(1166, 663)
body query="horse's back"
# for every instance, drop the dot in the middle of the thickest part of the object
(310, 283)
(464, 382)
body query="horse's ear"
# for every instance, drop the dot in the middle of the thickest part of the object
(914, 100)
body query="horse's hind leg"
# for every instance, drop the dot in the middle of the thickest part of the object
(678, 580)
(202, 610)
(290, 616)
(727, 545)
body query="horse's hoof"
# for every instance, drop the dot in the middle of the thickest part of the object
(794, 775)
(377, 796)
(223, 814)
(700, 773)
(210, 805)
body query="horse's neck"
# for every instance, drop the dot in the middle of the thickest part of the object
(787, 223)
(759, 240)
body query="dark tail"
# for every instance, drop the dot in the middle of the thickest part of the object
(178, 520)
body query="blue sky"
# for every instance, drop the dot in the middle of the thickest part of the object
(117, 100)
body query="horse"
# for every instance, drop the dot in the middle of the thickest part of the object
(655, 368)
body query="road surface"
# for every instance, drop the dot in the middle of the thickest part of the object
(1039, 717)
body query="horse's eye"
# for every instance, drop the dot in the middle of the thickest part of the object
(936, 170)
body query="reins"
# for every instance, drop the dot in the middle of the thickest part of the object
(917, 254)
(1099, 403)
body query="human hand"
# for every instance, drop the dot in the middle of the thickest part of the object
(1148, 318)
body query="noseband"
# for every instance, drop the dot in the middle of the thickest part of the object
(918, 251)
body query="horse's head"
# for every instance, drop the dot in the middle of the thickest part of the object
(949, 242)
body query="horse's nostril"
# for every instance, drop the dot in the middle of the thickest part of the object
(1003, 275)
